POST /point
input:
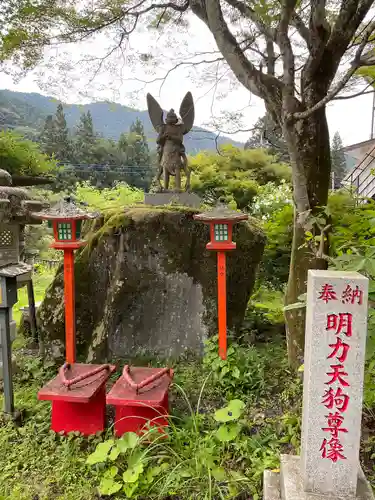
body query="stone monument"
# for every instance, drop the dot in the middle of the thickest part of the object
(336, 329)
(171, 152)
(16, 210)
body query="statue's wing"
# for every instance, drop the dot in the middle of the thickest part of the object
(187, 112)
(155, 112)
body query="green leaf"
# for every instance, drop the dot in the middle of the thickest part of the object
(108, 486)
(226, 433)
(219, 473)
(185, 473)
(152, 472)
(111, 472)
(129, 489)
(100, 455)
(115, 452)
(301, 368)
(231, 412)
(132, 474)
(128, 442)
(236, 372)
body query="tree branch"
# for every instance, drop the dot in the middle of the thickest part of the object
(248, 12)
(262, 85)
(319, 26)
(285, 45)
(302, 29)
(270, 58)
(356, 63)
(351, 96)
(351, 15)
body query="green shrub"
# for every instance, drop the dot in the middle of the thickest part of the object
(243, 372)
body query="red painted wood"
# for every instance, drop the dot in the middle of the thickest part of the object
(80, 408)
(147, 381)
(82, 392)
(222, 303)
(136, 419)
(68, 382)
(86, 418)
(149, 406)
(69, 293)
(68, 245)
(221, 245)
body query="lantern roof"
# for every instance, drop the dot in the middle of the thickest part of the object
(221, 213)
(65, 209)
(16, 206)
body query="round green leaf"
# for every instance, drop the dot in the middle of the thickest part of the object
(132, 474)
(109, 487)
(226, 433)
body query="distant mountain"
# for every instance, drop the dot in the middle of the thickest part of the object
(27, 112)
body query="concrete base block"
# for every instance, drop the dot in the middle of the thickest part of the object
(271, 485)
(288, 485)
(174, 198)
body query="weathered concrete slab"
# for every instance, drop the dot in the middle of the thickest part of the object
(167, 198)
(292, 484)
(271, 485)
(336, 330)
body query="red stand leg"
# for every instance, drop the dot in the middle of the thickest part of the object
(70, 339)
(222, 304)
(86, 418)
(137, 409)
(134, 418)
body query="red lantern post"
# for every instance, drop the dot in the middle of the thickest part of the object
(221, 221)
(66, 220)
(78, 391)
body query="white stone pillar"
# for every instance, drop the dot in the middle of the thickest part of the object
(336, 329)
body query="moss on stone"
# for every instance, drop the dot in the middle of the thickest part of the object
(126, 275)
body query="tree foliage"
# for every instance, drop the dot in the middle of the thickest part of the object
(23, 157)
(84, 146)
(234, 174)
(295, 55)
(338, 160)
(84, 139)
(62, 140)
(267, 135)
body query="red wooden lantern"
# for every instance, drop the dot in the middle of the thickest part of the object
(78, 391)
(221, 221)
(66, 220)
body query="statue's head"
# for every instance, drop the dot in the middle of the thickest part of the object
(171, 117)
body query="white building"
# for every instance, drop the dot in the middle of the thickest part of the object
(360, 161)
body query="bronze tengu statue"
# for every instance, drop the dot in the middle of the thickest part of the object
(171, 150)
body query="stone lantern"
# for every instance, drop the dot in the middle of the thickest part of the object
(16, 210)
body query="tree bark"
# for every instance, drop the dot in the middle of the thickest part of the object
(309, 148)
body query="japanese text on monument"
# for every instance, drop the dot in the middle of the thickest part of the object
(336, 396)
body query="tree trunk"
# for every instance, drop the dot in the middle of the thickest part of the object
(309, 148)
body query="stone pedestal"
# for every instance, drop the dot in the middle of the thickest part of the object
(173, 198)
(335, 346)
(288, 484)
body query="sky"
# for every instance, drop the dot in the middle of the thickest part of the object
(225, 106)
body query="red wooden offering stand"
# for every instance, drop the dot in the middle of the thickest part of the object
(79, 406)
(140, 397)
(78, 392)
(221, 221)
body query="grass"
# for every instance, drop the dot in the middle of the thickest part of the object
(37, 464)
(41, 281)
